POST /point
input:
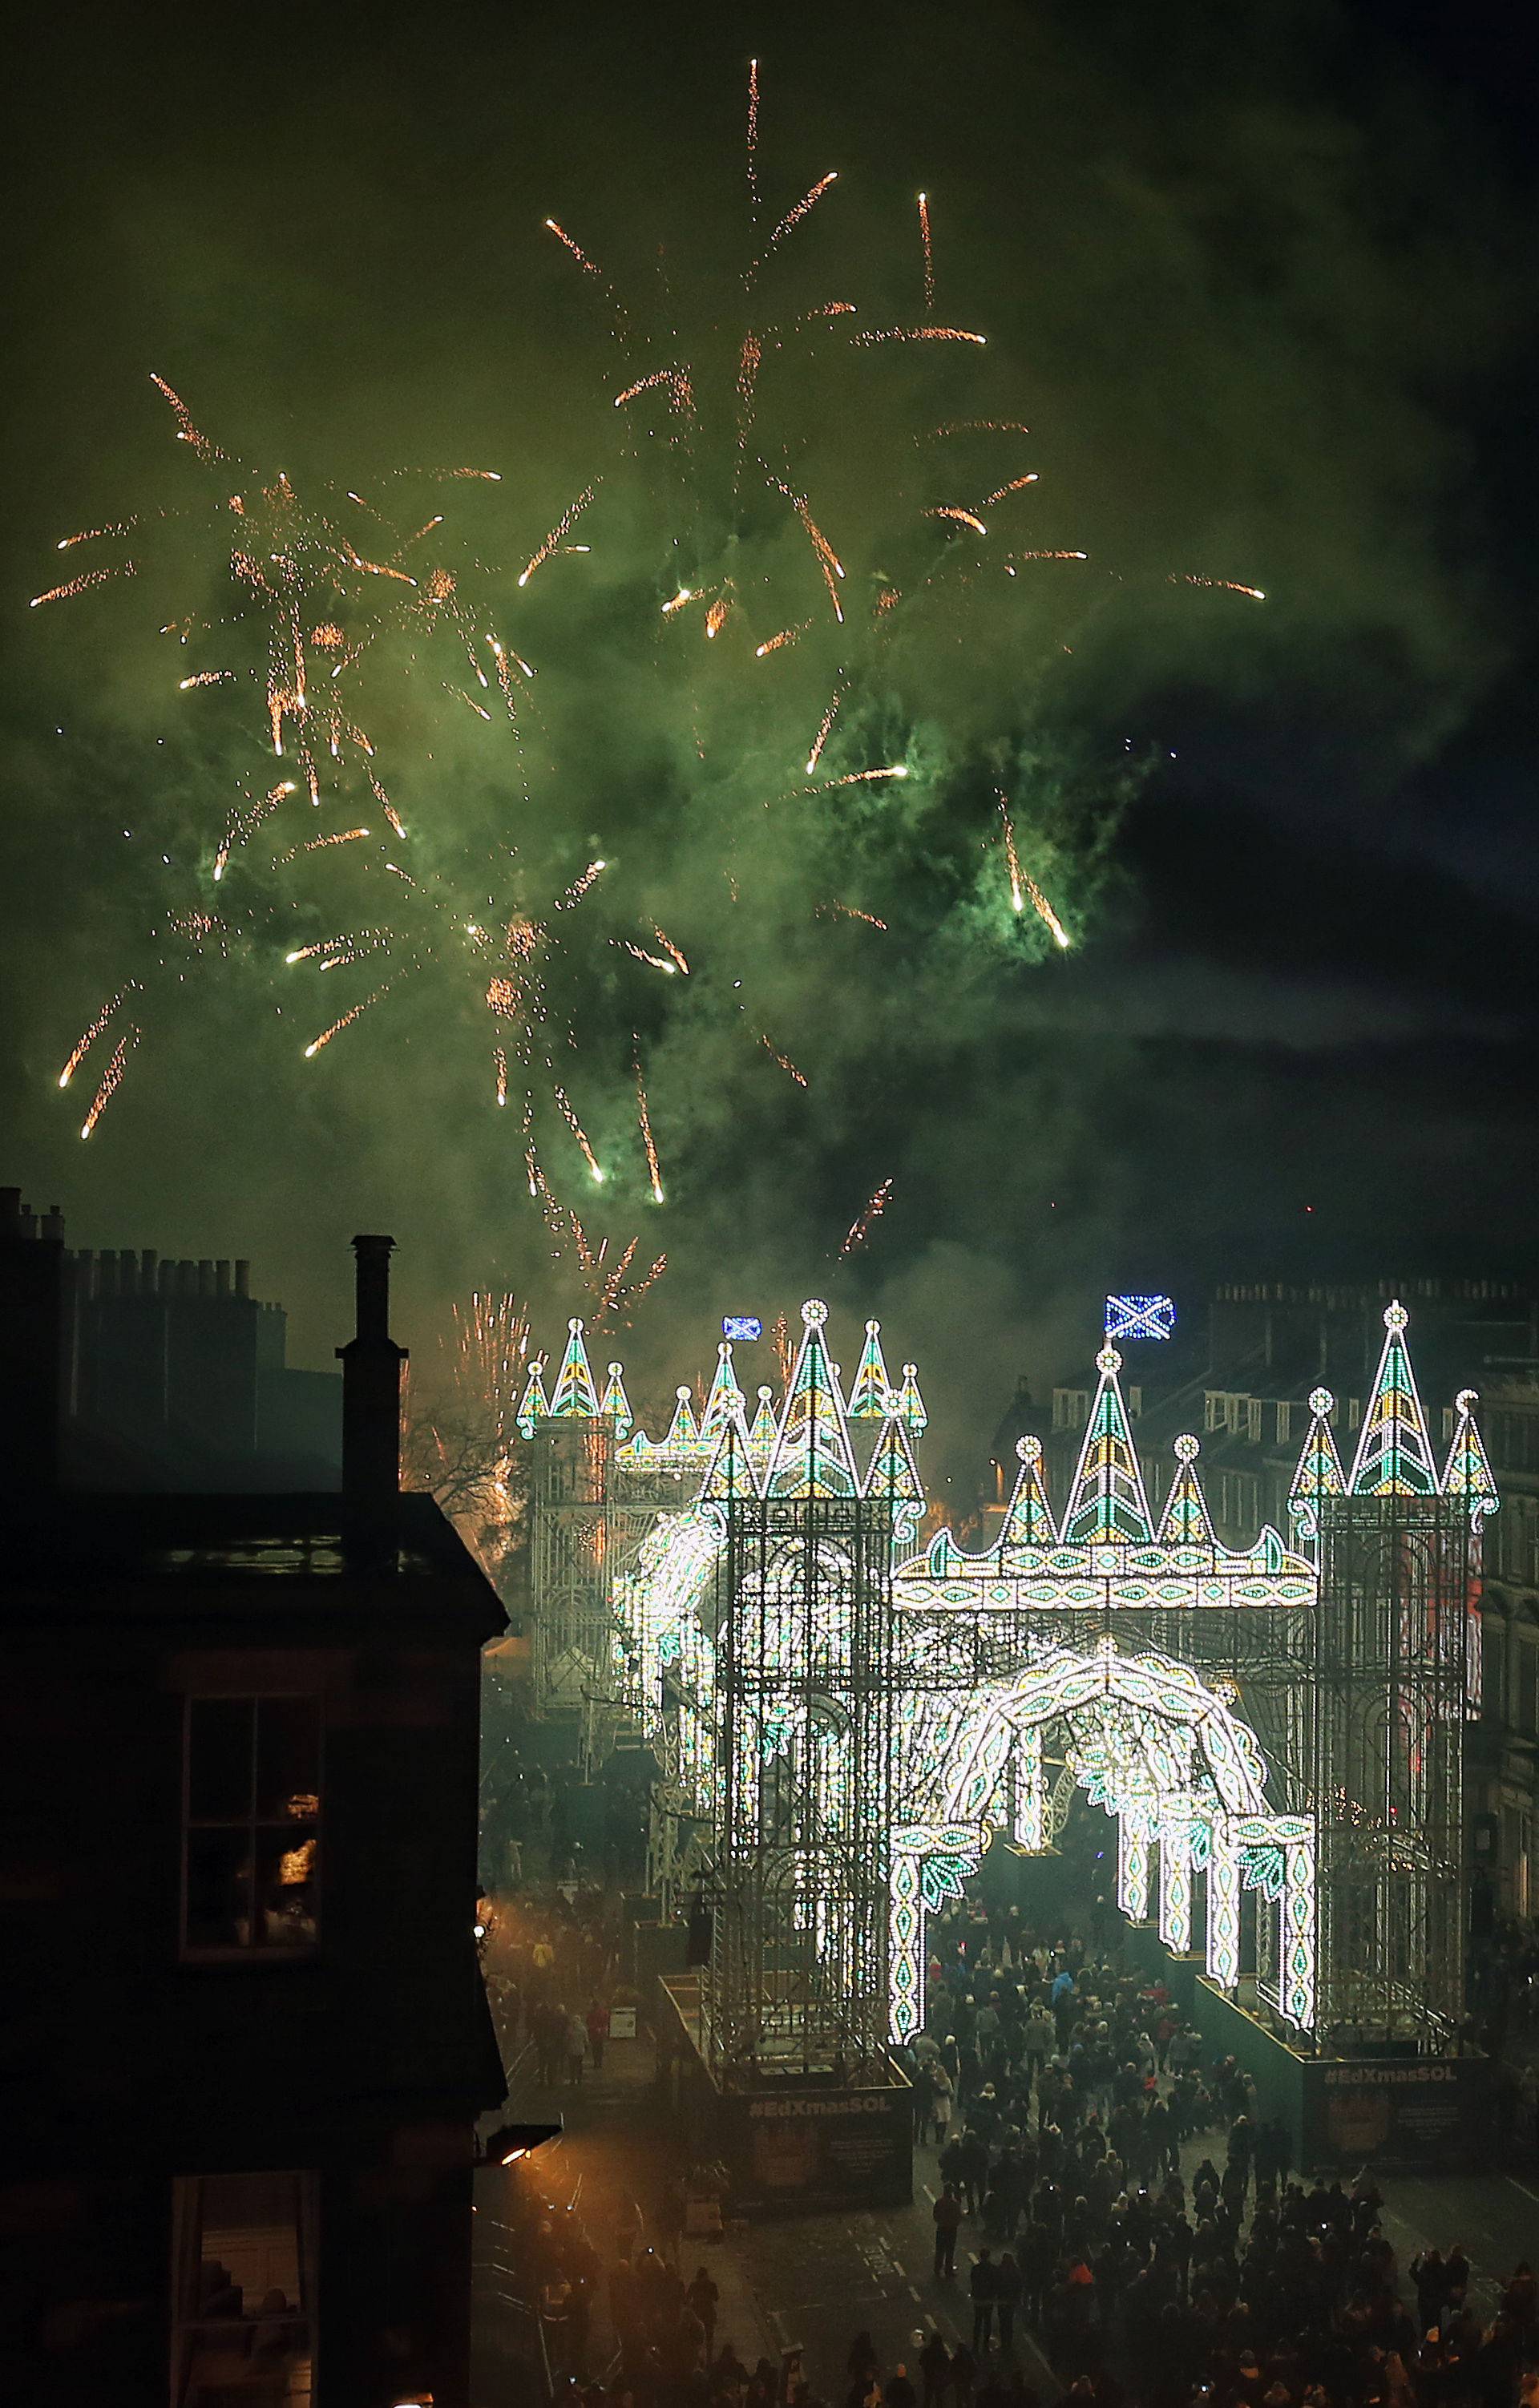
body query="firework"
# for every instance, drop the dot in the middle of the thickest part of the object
(919, 335)
(83, 584)
(778, 644)
(1216, 584)
(578, 1131)
(1023, 887)
(553, 541)
(329, 604)
(825, 730)
(318, 1044)
(88, 1037)
(860, 1227)
(786, 1062)
(644, 1119)
(111, 1079)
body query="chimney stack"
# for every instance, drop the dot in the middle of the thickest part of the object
(33, 1362)
(371, 1413)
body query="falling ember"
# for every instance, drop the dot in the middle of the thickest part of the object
(186, 431)
(95, 535)
(828, 559)
(1016, 485)
(1023, 887)
(89, 1037)
(385, 805)
(501, 1060)
(715, 618)
(580, 887)
(786, 1065)
(781, 1339)
(1015, 868)
(320, 844)
(964, 518)
(576, 1128)
(1049, 555)
(808, 202)
(206, 676)
(929, 256)
(974, 426)
(822, 738)
(853, 911)
(860, 1227)
(644, 1118)
(863, 778)
(244, 825)
(346, 1022)
(1216, 584)
(778, 644)
(1045, 913)
(671, 948)
(919, 335)
(587, 265)
(754, 138)
(572, 511)
(681, 391)
(82, 584)
(111, 1080)
(638, 953)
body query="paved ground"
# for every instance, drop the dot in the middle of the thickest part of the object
(816, 2280)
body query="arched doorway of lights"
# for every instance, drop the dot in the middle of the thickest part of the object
(1181, 1775)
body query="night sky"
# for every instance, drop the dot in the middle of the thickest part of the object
(1262, 291)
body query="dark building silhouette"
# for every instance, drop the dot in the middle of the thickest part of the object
(243, 2037)
(173, 1375)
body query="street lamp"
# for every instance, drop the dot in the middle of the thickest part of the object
(506, 2146)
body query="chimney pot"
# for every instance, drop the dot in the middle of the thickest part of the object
(206, 1276)
(221, 1277)
(371, 1413)
(242, 1278)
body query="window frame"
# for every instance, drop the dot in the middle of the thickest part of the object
(256, 1952)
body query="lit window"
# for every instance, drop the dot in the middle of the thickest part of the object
(243, 2284)
(251, 1867)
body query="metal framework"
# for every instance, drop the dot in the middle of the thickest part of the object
(1276, 1729)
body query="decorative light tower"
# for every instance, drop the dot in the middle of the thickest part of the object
(798, 1976)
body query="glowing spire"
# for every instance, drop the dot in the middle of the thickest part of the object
(1394, 1456)
(732, 1471)
(1467, 1471)
(1319, 1472)
(812, 1457)
(615, 1406)
(576, 1398)
(533, 1409)
(1185, 1522)
(893, 1475)
(684, 1437)
(1107, 1503)
(868, 1397)
(1029, 1521)
(726, 1399)
(911, 1404)
(761, 1438)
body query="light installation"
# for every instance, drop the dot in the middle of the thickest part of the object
(856, 1721)
(1140, 1316)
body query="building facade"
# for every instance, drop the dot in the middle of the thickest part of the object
(243, 2039)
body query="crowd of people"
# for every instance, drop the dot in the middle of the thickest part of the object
(1064, 2098)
